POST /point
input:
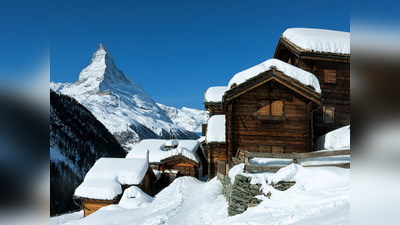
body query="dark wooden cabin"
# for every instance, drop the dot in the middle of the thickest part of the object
(333, 73)
(271, 113)
(215, 147)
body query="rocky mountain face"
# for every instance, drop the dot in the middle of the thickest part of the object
(77, 140)
(190, 119)
(118, 102)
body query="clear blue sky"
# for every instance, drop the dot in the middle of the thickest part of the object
(177, 49)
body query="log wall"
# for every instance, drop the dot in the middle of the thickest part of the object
(335, 95)
(246, 132)
(215, 152)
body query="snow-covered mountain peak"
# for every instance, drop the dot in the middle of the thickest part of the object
(120, 103)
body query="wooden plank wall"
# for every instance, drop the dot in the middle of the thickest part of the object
(335, 95)
(250, 134)
(215, 152)
(90, 206)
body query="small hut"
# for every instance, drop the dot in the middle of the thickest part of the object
(109, 177)
(173, 158)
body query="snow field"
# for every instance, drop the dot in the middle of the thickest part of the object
(321, 195)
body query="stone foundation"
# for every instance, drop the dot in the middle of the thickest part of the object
(241, 194)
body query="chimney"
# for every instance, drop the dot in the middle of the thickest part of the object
(147, 156)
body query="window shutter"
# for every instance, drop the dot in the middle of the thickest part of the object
(330, 76)
(277, 108)
(278, 149)
(264, 108)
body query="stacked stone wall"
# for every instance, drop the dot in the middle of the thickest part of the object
(241, 194)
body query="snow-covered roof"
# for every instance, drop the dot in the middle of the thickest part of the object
(216, 129)
(214, 94)
(171, 142)
(336, 139)
(319, 40)
(296, 73)
(104, 179)
(181, 151)
(157, 152)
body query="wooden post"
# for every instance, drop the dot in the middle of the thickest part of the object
(295, 158)
(246, 162)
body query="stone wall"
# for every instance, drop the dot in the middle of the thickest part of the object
(241, 194)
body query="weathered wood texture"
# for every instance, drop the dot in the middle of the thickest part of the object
(215, 152)
(246, 131)
(334, 94)
(213, 109)
(91, 205)
(187, 169)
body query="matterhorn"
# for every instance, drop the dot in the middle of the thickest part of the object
(118, 102)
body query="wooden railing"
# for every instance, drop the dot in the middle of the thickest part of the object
(294, 156)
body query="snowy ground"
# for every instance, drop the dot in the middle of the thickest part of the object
(320, 196)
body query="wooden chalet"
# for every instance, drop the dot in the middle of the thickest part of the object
(173, 158)
(106, 181)
(328, 58)
(267, 111)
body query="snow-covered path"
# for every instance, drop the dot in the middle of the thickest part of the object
(185, 201)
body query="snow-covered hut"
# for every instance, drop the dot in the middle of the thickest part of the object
(326, 54)
(109, 177)
(185, 157)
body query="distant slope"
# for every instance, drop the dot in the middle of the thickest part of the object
(77, 140)
(118, 102)
(190, 119)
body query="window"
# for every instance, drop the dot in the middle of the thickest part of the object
(277, 149)
(270, 108)
(271, 149)
(329, 114)
(330, 76)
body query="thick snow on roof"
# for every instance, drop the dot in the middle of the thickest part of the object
(319, 40)
(181, 151)
(336, 139)
(157, 152)
(302, 76)
(104, 179)
(134, 198)
(216, 129)
(214, 94)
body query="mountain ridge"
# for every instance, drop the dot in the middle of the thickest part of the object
(120, 103)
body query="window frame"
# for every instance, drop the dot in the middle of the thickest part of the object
(327, 109)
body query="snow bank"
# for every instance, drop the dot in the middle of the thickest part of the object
(320, 196)
(319, 40)
(104, 179)
(302, 76)
(216, 129)
(336, 139)
(134, 197)
(214, 94)
(157, 152)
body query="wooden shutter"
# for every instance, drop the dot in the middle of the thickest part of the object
(278, 149)
(277, 108)
(264, 149)
(264, 108)
(330, 76)
(329, 114)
